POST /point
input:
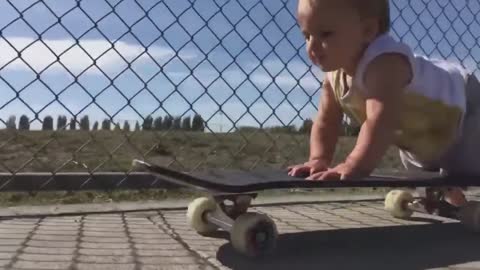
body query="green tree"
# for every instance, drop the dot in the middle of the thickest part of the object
(85, 123)
(167, 122)
(73, 123)
(198, 123)
(126, 126)
(61, 122)
(177, 123)
(148, 123)
(157, 124)
(47, 123)
(117, 127)
(106, 124)
(11, 122)
(187, 123)
(306, 126)
(24, 123)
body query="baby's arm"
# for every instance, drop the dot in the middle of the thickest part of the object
(385, 79)
(326, 126)
(324, 135)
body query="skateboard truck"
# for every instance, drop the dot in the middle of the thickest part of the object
(251, 234)
(402, 204)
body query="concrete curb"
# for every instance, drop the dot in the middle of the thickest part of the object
(181, 204)
(169, 205)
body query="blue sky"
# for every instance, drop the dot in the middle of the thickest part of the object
(188, 52)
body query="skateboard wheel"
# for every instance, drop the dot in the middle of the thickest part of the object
(396, 203)
(469, 216)
(254, 234)
(196, 212)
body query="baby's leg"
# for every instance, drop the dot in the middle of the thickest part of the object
(454, 195)
(464, 155)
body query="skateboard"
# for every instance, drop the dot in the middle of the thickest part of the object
(255, 235)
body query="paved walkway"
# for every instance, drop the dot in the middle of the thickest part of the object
(325, 235)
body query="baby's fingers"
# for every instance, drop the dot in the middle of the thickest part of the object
(330, 175)
(315, 176)
(299, 170)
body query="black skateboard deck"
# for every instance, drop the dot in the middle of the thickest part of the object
(239, 181)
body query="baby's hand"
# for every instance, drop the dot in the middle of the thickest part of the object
(308, 168)
(340, 172)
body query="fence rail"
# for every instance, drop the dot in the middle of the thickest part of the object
(87, 86)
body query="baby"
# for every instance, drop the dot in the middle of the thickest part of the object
(428, 108)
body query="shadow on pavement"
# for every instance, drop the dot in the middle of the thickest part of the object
(397, 247)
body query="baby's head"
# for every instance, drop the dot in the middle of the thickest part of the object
(338, 31)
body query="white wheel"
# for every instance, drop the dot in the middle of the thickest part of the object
(254, 234)
(195, 214)
(396, 203)
(469, 216)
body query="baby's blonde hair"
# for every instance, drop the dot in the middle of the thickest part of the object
(374, 8)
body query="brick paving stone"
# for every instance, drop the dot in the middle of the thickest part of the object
(12, 236)
(13, 230)
(162, 252)
(11, 242)
(104, 245)
(105, 266)
(21, 221)
(100, 229)
(54, 230)
(4, 262)
(41, 265)
(103, 252)
(9, 248)
(176, 246)
(7, 255)
(164, 241)
(16, 227)
(50, 250)
(106, 259)
(91, 239)
(52, 237)
(167, 260)
(51, 244)
(93, 225)
(144, 230)
(154, 235)
(46, 257)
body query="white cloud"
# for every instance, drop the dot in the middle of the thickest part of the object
(39, 56)
(310, 77)
(287, 82)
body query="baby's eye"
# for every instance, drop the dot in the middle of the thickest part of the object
(307, 36)
(325, 34)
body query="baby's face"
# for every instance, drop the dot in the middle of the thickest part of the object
(334, 33)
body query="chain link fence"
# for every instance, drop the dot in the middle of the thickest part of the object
(89, 85)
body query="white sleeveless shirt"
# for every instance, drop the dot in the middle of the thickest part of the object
(434, 101)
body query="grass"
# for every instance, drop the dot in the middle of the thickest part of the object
(79, 151)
